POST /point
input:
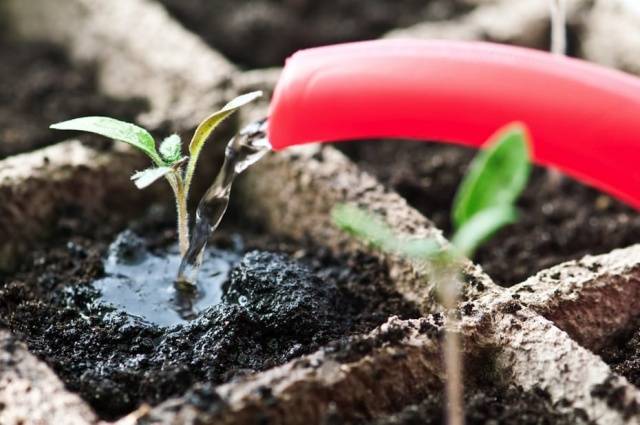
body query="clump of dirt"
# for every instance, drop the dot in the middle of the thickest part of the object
(276, 305)
(488, 405)
(260, 33)
(558, 222)
(38, 87)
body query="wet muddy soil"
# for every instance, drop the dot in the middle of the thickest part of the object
(279, 301)
(558, 221)
(47, 89)
(488, 405)
(261, 33)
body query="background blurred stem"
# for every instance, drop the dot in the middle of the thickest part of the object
(558, 9)
(558, 26)
(449, 289)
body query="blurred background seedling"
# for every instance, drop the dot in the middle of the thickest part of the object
(484, 203)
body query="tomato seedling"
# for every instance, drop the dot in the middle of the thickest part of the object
(168, 161)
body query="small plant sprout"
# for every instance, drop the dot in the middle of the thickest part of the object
(484, 203)
(168, 160)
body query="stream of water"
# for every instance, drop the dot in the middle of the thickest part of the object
(244, 150)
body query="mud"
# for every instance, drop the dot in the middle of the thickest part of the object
(280, 301)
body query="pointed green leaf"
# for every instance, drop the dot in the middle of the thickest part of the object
(497, 175)
(373, 230)
(419, 249)
(114, 129)
(211, 122)
(362, 224)
(146, 177)
(171, 148)
(481, 226)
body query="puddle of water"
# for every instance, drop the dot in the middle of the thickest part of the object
(141, 283)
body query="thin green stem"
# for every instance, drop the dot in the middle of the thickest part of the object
(177, 185)
(188, 176)
(182, 195)
(183, 218)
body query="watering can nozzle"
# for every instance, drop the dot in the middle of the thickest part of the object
(583, 118)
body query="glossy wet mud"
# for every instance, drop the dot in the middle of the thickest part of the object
(272, 308)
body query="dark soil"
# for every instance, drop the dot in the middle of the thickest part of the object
(623, 354)
(281, 300)
(38, 87)
(486, 399)
(488, 406)
(258, 33)
(558, 222)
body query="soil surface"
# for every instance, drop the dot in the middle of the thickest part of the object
(488, 406)
(623, 354)
(281, 300)
(47, 89)
(559, 220)
(260, 33)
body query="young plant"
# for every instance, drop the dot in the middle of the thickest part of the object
(168, 160)
(484, 203)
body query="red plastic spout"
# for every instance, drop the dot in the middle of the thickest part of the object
(584, 119)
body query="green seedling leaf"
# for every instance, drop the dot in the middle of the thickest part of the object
(146, 177)
(481, 226)
(205, 128)
(171, 149)
(497, 175)
(373, 230)
(115, 129)
(362, 224)
(419, 249)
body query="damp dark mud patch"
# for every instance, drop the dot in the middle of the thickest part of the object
(261, 33)
(488, 405)
(39, 86)
(557, 222)
(280, 300)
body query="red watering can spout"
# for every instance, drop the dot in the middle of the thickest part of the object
(584, 119)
